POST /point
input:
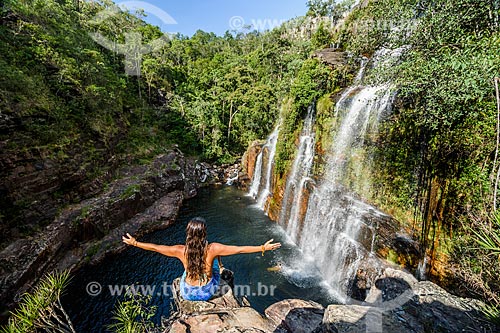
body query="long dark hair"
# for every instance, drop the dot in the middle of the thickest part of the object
(196, 248)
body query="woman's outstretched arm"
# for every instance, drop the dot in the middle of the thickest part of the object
(171, 251)
(227, 250)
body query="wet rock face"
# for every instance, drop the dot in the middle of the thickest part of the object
(275, 203)
(250, 157)
(143, 199)
(379, 233)
(390, 238)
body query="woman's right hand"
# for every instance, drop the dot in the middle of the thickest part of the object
(269, 245)
(129, 240)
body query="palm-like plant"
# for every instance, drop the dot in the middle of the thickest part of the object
(488, 236)
(41, 309)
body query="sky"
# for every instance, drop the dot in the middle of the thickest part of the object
(217, 16)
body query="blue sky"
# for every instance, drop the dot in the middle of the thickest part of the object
(220, 15)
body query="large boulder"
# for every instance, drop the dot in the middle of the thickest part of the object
(440, 311)
(295, 316)
(224, 313)
(397, 302)
(332, 57)
(241, 320)
(359, 318)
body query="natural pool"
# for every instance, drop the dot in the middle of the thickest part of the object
(231, 219)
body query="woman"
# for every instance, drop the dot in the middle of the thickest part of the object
(201, 277)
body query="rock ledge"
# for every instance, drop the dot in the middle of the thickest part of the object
(396, 303)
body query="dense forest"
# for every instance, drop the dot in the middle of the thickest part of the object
(210, 94)
(67, 98)
(437, 160)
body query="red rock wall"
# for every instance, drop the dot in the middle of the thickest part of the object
(250, 157)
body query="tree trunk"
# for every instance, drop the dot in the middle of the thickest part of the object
(231, 116)
(498, 142)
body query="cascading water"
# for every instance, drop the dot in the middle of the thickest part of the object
(271, 149)
(299, 175)
(257, 179)
(257, 175)
(337, 233)
(358, 110)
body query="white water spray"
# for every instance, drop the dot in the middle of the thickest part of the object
(271, 151)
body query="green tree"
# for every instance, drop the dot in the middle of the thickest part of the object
(322, 38)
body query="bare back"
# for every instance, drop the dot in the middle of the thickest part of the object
(209, 261)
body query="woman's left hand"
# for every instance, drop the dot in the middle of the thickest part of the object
(270, 246)
(129, 240)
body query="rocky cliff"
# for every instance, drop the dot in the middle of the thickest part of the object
(141, 199)
(396, 302)
(248, 163)
(382, 296)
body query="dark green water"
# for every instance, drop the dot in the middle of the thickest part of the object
(231, 219)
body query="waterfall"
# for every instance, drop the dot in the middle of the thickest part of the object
(364, 105)
(257, 175)
(337, 231)
(422, 269)
(298, 177)
(271, 148)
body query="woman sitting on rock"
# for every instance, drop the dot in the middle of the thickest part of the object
(201, 277)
